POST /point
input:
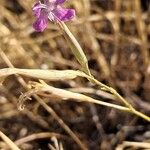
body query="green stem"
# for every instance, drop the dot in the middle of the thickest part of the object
(81, 57)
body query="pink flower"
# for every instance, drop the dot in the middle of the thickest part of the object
(50, 10)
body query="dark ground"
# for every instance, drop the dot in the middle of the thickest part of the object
(118, 49)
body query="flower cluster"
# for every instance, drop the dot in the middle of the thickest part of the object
(50, 10)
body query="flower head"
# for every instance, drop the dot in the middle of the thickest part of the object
(50, 10)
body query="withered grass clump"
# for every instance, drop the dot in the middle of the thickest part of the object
(114, 39)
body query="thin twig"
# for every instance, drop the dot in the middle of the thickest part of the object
(48, 108)
(11, 144)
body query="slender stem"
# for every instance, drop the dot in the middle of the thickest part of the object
(9, 142)
(75, 47)
(113, 91)
(141, 115)
(81, 57)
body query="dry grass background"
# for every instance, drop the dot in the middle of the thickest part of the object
(115, 36)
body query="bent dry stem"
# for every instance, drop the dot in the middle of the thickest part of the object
(81, 57)
(45, 90)
(65, 75)
(49, 109)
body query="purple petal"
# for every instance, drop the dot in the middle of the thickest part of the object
(62, 14)
(54, 1)
(59, 1)
(36, 9)
(40, 24)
